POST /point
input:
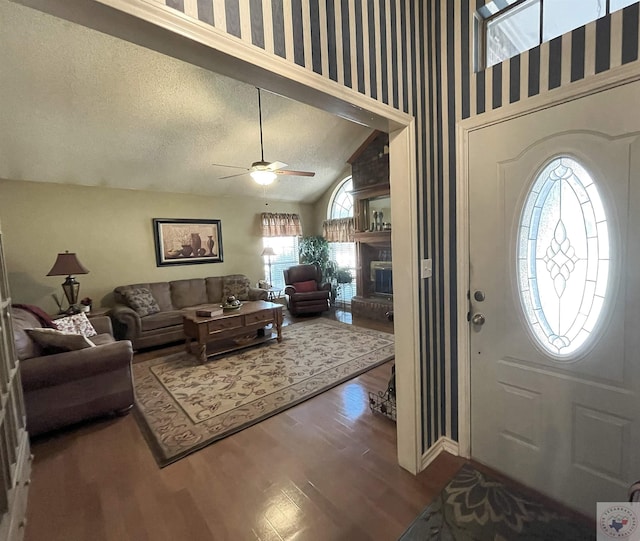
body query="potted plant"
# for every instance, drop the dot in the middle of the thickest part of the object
(315, 250)
(342, 276)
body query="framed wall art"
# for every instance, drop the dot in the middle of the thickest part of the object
(187, 241)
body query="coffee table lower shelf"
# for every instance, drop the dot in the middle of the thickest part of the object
(213, 349)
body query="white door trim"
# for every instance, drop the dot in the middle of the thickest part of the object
(597, 83)
(153, 25)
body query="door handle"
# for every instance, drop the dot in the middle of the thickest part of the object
(478, 319)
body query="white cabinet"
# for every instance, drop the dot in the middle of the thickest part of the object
(15, 458)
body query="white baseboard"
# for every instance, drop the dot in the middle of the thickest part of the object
(443, 445)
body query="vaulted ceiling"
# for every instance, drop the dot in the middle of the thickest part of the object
(81, 107)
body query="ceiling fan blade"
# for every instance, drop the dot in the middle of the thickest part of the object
(232, 176)
(296, 173)
(232, 166)
(276, 165)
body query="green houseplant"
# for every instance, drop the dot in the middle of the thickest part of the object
(315, 250)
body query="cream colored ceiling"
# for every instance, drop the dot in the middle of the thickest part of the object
(81, 107)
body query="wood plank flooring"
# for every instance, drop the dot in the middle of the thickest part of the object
(323, 470)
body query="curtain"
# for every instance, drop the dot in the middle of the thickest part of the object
(276, 224)
(338, 230)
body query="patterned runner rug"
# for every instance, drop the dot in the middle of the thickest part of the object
(476, 507)
(182, 406)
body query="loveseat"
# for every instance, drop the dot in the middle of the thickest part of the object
(150, 314)
(67, 387)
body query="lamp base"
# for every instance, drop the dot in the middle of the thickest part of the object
(71, 288)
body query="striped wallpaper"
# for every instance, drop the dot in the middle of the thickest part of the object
(416, 56)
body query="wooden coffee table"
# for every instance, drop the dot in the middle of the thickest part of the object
(233, 330)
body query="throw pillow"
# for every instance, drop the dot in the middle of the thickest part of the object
(305, 287)
(76, 324)
(59, 339)
(238, 286)
(141, 300)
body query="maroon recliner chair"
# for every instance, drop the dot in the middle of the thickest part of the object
(305, 292)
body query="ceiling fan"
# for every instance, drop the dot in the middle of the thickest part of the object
(263, 172)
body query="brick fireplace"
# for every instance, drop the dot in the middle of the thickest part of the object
(371, 191)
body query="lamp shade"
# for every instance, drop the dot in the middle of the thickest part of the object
(267, 251)
(67, 264)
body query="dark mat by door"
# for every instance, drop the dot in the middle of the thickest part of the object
(476, 507)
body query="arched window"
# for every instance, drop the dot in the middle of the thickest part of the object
(563, 257)
(341, 204)
(343, 253)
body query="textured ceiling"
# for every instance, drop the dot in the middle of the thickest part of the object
(81, 107)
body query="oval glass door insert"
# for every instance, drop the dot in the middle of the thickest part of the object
(563, 257)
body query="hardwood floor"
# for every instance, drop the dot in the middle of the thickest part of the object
(323, 470)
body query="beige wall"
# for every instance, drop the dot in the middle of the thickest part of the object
(111, 231)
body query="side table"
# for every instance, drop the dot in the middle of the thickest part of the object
(273, 293)
(101, 311)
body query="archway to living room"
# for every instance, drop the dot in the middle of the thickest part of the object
(153, 26)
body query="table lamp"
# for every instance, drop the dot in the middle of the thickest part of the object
(68, 264)
(268, 251)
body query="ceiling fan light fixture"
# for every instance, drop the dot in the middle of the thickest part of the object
(264, 178)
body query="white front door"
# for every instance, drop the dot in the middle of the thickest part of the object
(554, 274)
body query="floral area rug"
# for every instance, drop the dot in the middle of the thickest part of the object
(183, 406)
(475, 507)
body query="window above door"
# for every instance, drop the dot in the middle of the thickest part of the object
(509, 27)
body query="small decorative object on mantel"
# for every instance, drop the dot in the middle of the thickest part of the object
(182, 241)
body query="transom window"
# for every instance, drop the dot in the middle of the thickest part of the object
(510, 27)
(341, 205)
(563, 257)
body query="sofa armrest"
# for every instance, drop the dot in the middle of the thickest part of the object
(60, 368)
(128, 325)
(324, 287)
(102, 324)
(257, 294)
(289, 290)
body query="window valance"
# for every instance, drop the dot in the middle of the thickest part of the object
(338, 230)
(276, 224)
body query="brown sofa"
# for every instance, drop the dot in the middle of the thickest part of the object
(172, 299)
(65, 388)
